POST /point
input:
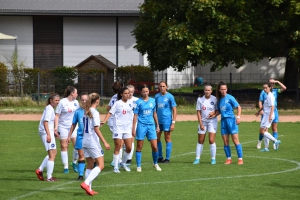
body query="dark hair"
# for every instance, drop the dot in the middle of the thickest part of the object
(163, 82)
(69, 90)
(84, 93)
(218, 93)
(93, 97)
(51, 97)
(269, 85)
(121, 91)
(116, 86)
(144, 86)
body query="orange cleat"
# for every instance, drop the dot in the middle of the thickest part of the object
(92, 191)
(240, 162)
(228, 162)
(86, 188)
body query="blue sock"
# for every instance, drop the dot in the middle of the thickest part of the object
(260, 137)
(81, 166)
(159, 146)
(168, 150)
(275, 135)
(155, 157)
(138, 157)
(239, 150)
(227, 151)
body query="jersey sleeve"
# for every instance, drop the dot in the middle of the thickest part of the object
(262, 96)
(59, 108)
(234, 102)
(198, 105)
(48, 112)
(113, 109)
(75, 117)
(96, 118)
(272, 100)
(136, 107)
(173, 102)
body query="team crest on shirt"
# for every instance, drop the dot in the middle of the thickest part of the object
(212, 103)
(151, 105)
(75, 104)
(166, 99)
(130, 105)
(226, 101)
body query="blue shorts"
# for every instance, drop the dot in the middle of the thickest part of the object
(147, 130)
(229, 126)
(165, 127)
(78, 144)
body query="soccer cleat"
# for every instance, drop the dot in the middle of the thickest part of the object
(274, 146)
(52, 179)
(116, 170)
(157, 167)
(66, 171)
(139, 169)
(127, 169)
(240, 162)
(86, 188)
(228, 162)
(160, 160)
(258, 146)
(166, 161)
(112, 164)
(93, 192)
(80, 178)
(197, 161)
(213, 161)
(39, 174)
(128, 162)
(75, 167)
(264, 150)
(277, 144)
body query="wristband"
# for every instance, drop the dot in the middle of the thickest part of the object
(173, 122)
(238, 117)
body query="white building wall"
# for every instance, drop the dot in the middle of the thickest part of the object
(22, 27)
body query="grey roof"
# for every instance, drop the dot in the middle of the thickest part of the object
(70, 7)
(99, 58)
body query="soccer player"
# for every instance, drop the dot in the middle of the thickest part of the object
(229, 123)
(262, 97)
(46, 132)
(122, 111)
(166, 114)
(144, 120)
(78, 118)
(133, 99)
(63, 122)
(268, 117)
(91, 146)
(206, 105)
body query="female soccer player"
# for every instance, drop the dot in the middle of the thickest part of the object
(229, 123)
(268, 117)
(63, 122)
(91, 146)
(46, 132)
(206, 105)
(166, 114)
(78, 118)
(146, 119)
(122, 111)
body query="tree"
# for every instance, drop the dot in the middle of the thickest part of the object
(173, 32)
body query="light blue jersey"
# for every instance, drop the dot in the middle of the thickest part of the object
(78, 118)
(145, 110)
(226, 106)
(263, 95)
(164, 107)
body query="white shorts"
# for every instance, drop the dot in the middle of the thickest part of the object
(122, 136)
(64, 132)
(111, 128)
(52, 144)
(93, 152)
(210, 127)
(265, 123)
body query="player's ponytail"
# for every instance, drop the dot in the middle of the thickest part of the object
(69, 90)
(218, 93)
(93, 97)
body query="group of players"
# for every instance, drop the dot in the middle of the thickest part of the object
(129, 117)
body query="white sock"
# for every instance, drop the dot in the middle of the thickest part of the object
(120, 155)
(93, 174)
(87, 173)
(50, 167)
(116, 161)
(64, 158)
(213, 150)
(199, 149)
(269, 136)
(125, 157)
(266, 141)
(131, 152)
(44, 163)
(75, 156)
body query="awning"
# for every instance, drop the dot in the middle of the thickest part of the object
(7, 37)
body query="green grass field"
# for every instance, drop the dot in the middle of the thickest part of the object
(272, 175)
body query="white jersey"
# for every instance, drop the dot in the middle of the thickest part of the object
(268, 103)
(66, 110)
(132, 102)
(90, 137)
(206, 106)
(49, 116)
(111, 103)
(122, 117)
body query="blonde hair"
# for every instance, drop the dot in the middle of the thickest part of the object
(93, 97)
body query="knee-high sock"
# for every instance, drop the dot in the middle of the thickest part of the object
(64, 159)
(120, 155)
(50, 167)
(213, 150)
(269, 136)
(155, 157)
(239, 151)
(131, 152)
(168, 150)
(227, 151)
(93, 174)
(87, 173)
(81, 166)
(199, 149)
(138, 158)
(260, 137)
(116, 161)
(125, 157)
(44, 163)
(75, 156)
(159, 146)
(266, 141)
(275, 135)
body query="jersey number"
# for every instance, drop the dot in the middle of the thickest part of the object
(86, 124)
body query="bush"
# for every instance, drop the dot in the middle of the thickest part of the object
(135, 73)
(63, 77)
(3, 78)
(30, 83)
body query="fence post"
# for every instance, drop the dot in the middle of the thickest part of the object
(38, 88)
(230, 80)
(297, 88)
(101, 87)
(166, 77)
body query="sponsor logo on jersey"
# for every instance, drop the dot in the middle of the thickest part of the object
(124, 112)
(203, 108)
